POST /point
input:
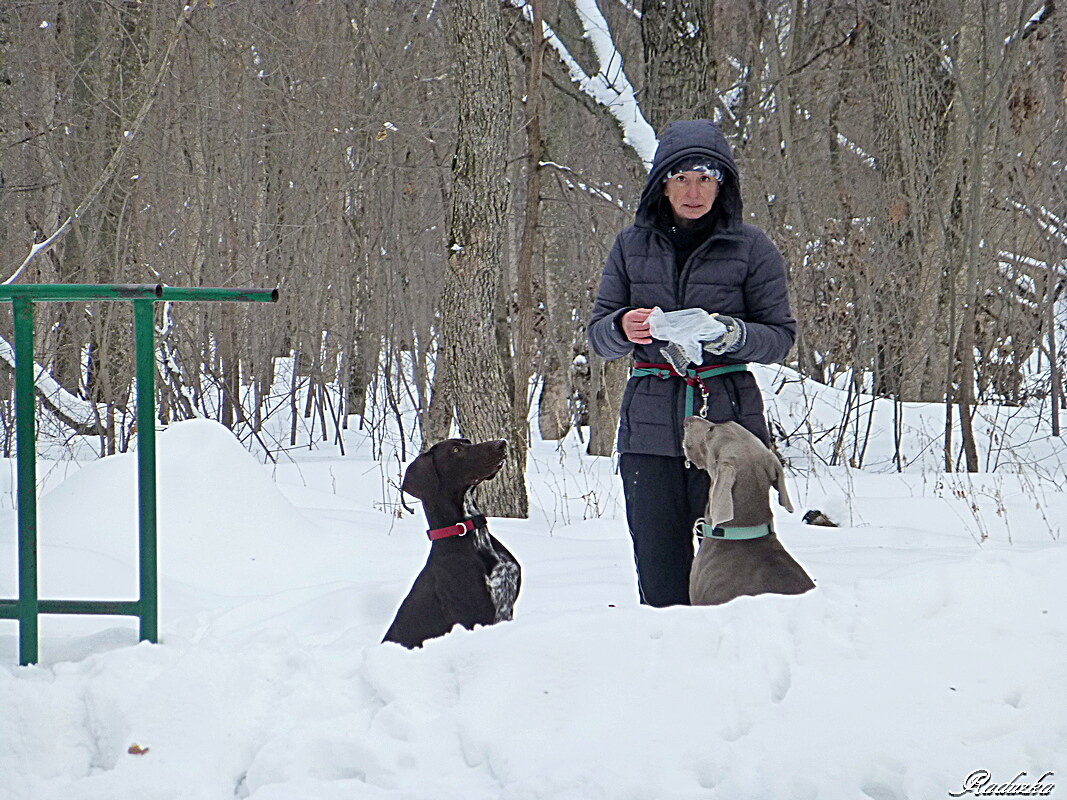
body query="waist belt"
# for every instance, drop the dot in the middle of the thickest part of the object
(693, 377)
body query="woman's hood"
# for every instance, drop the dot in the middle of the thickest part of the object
(696, 137)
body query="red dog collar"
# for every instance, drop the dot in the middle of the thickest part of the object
(459, 529)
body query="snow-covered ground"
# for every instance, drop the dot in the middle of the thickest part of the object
(932, 649)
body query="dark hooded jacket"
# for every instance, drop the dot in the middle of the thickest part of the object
(735, 271)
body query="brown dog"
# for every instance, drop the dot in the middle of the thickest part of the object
(739, 553)
(470, 578)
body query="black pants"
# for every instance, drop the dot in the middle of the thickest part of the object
(663, 500)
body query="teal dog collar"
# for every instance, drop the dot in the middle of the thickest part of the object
(706, 531)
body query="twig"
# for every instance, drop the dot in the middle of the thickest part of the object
(112, 167)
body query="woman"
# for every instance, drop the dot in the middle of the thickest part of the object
(688, 248)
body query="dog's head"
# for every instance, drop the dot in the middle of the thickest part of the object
(453, 466)
(727, 451)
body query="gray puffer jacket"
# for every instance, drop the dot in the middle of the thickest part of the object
(736, 271)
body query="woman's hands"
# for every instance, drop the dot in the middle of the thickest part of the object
(634, 324)
(636, 329)
(733, 338)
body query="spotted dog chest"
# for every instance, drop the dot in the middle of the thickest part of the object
(502, 574)
(501, 568)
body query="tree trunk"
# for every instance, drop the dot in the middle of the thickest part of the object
(553, 412)
(680, 72)
(478, 228)
(608, 381)
(911, 127)
(530, 299)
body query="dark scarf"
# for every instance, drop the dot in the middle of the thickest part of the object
(686, 239)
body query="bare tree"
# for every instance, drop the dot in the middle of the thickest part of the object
(905, 157)
(468, 352)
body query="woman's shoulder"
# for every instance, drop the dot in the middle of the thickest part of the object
(634, 238)
(755, 234)
(631, 232)
(759, 242)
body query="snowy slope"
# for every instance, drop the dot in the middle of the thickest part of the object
(931, 648)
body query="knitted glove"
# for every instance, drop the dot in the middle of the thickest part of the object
(731, 340)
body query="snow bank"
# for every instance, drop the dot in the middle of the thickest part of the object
(931, 647)
(895, 687)
(224, 526)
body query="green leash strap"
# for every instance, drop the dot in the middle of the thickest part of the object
(694, 377)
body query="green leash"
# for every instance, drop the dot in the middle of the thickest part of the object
(694, 377)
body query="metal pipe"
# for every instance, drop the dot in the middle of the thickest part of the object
(118, 608)
(145, 338)
(213, 293)
(26, 471)
(80, 292)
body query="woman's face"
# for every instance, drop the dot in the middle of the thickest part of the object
(691, 194)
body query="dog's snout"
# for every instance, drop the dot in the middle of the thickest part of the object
(487, 458)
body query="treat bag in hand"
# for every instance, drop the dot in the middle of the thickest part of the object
(684, 331)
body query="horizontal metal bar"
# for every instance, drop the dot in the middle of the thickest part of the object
(120, 608)
(43, 292)
(220, 293)
(9, 609)
(81, 292)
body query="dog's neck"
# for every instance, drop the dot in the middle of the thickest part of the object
(443, 511)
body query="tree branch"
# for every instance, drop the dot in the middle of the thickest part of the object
(117, 156)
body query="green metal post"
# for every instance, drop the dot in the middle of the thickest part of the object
(26, 470)
(28, 606)
(145, 334)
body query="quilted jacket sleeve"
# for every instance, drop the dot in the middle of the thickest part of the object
(769, 320)
(612, 301)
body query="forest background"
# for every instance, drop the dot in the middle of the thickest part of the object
(434, 186)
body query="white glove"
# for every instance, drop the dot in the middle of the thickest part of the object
(685, 329)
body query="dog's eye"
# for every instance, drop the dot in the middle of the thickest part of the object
(455, 449)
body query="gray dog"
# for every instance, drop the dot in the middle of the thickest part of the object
(739, 552)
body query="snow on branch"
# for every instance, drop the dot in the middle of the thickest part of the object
(851, 146)
(1054, 226)
(79, 415)
(610, 87)
(1038, 17)
(571, 182)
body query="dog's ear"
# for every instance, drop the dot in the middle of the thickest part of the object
(722, 494)
(420, 479)
(779, 484)
(702, 445)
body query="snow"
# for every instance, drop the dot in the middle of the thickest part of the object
(72, 406)
(932, 647)
(610, 86)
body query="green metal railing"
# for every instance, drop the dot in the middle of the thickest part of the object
(29, 606)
